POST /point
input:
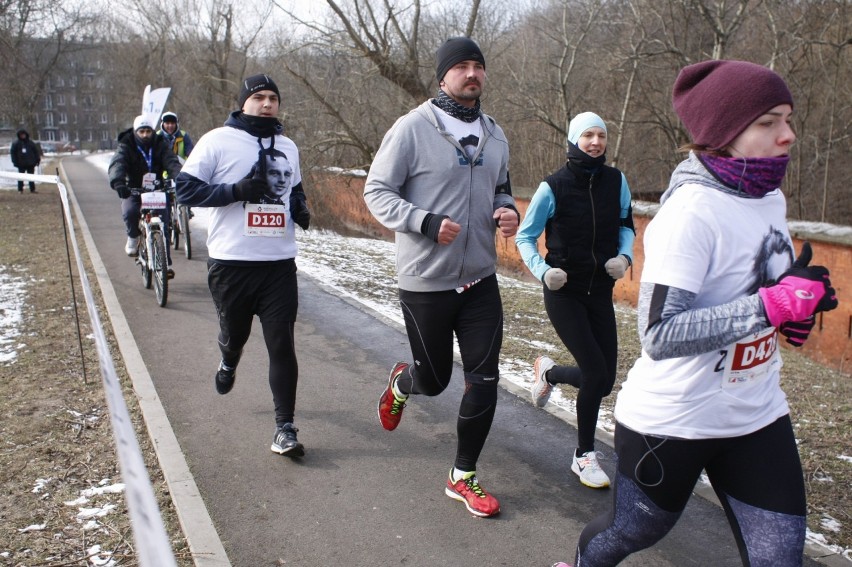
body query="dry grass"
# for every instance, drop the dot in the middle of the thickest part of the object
(55, 427)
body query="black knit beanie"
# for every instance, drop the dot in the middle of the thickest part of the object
(456, 50)
(256, 83)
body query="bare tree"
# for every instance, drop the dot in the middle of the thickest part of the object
(34, 37)
(724, 18)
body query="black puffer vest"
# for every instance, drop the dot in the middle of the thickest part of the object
(583, 233)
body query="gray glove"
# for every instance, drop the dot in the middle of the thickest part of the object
(251, 189)
(554, 278)
(617, 267)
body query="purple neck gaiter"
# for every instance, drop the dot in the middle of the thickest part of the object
(753, 176)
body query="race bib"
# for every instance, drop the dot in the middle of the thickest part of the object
(153, 200)
(148, 180)
(265, 220)
(751, 359)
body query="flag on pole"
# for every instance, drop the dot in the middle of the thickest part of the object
(153, 103)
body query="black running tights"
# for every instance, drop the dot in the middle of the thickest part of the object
(476, 318)
(586, 325)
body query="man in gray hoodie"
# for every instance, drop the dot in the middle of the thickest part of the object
(440, 180)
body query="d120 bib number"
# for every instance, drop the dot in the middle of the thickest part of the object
(265, 220)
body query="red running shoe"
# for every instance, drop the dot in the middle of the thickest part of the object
(468, 490)
(390, 407)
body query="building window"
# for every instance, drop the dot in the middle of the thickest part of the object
(48, 120)
(60, 100)
(63, 118)
(104, 135)
(50, 136)
(104, 118)
(48, 102)
(73, 100)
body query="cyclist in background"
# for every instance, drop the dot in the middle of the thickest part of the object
(179, 140)
(139, 160)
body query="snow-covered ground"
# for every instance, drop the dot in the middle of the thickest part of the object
(342, 264)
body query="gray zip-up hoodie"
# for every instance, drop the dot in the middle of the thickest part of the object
(420, 169)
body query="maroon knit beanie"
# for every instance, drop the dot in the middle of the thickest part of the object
(717, 100)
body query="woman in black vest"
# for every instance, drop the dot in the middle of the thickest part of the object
(584, 210)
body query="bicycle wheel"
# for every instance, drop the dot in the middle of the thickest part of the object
(160, 267)
(184, 228)
(143, 258)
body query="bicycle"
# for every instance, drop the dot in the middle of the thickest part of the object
(152, 258)
(180, 226)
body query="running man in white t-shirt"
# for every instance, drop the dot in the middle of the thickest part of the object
(248, 173)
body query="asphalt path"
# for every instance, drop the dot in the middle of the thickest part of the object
(361, 496)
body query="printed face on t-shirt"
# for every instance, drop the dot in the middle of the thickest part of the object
(279, 176)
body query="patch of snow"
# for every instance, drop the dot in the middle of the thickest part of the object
(13, 290)
(33, 528)
(41, 484)
(88, 513)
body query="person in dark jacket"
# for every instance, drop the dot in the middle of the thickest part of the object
(25, 156)
(138, 162)
(585, 212)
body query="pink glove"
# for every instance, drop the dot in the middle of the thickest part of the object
(799, 292)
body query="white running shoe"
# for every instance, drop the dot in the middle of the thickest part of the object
(590, 472)
(541, 387)
(132, 246)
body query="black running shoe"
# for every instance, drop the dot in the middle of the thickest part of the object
(225, 377)
(285, 442)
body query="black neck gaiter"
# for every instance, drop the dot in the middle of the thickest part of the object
(456, 110)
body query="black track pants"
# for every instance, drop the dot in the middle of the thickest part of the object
(271, 292)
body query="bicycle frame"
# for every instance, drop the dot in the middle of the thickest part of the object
(153, 256)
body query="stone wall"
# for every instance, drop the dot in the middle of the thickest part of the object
(336, 200)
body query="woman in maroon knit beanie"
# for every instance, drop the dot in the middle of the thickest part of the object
(718, 286)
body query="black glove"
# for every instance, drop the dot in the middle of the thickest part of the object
(797, 332)
(123, 191)
(251, 189)
(299, 208)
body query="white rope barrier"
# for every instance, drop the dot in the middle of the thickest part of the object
(149, 533)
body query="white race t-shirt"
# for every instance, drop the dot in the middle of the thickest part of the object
(720, 247)
(226, 155)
